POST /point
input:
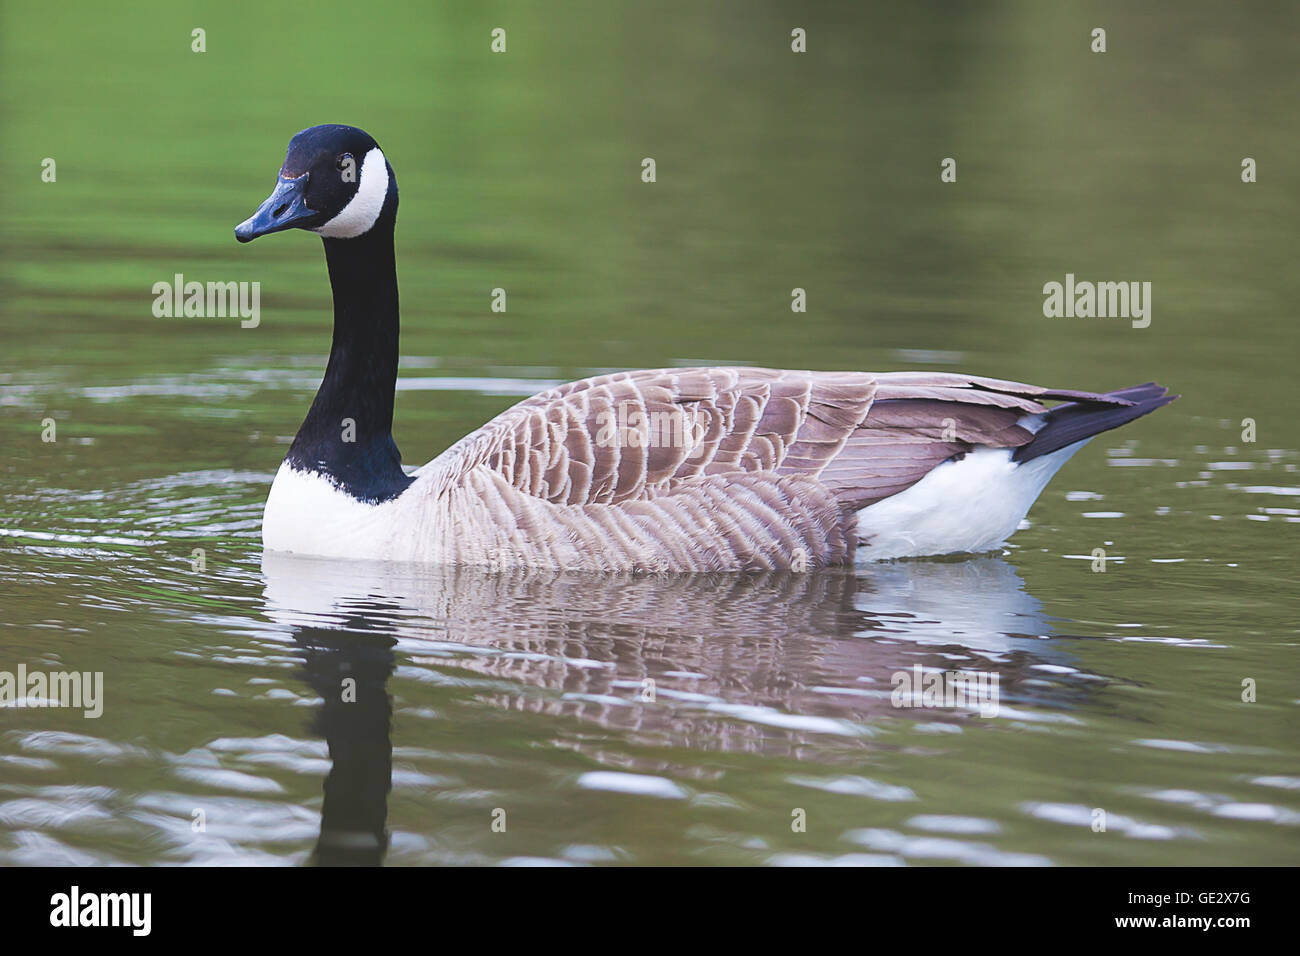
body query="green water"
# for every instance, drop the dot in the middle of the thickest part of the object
(519, 698)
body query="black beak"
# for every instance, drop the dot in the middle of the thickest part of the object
(285, 208)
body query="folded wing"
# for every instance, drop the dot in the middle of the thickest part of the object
(635, 436)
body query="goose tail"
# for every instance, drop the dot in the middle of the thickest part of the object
(1074, 422)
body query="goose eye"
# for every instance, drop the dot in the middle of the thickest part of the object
(342, 161)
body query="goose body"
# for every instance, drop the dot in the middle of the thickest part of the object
(672, 469)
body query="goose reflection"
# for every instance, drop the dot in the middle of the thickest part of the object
(729, 662)
(349, 669)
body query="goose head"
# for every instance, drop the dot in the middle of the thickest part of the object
(335, 182)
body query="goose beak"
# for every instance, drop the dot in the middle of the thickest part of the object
(285, 208)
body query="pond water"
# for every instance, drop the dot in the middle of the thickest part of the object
(659, 719)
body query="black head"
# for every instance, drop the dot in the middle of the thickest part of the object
(335, 182)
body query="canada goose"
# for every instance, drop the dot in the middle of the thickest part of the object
(672, 469)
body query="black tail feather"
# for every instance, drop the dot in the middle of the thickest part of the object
(1077, 421)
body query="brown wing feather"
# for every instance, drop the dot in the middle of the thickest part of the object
(637, 436)
(634, 435)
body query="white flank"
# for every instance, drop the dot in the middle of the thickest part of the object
(364, 208)
(971, 505)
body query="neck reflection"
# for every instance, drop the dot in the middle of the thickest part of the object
(349, 669)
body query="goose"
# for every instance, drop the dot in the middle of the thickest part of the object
(678, 469)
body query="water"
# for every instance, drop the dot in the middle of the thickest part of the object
(518, 699)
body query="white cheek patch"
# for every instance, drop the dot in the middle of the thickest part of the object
(361, 212)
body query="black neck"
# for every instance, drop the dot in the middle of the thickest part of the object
(348, 434)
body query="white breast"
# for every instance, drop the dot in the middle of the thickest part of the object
(306, 514)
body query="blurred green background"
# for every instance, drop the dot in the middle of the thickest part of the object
(775, 170)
